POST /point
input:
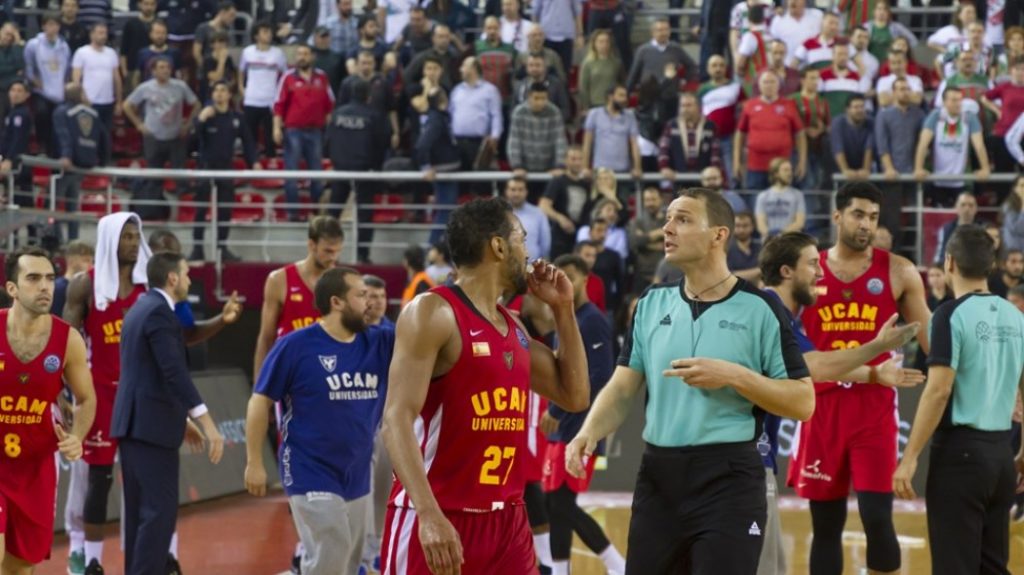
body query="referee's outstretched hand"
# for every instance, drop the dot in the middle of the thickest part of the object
(578, 454)
(442, 547)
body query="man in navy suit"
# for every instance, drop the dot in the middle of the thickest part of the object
(155, 397)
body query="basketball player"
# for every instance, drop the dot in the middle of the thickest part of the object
(790, 269)
(96, 304)
(561, 489)
(288, 302)
(975, 370)
(716, 352)
(38, 353)
(329, 429)
(455, 417)
(853, 434)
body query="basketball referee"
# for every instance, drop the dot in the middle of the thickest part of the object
(715, 353)
(975, 368)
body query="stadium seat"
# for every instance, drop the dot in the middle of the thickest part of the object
(249, 207)
(41, 178)
(186, 212)
(95, 183)
(96, 203)
(387, 215)
(273, 183)
(281, 214)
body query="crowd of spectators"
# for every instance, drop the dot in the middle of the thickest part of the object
(780, 98)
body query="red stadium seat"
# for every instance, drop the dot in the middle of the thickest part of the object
(95, 183)
(95, 203)
(186, 212)
(387, 215)
(41, 177)
(272, 183)
(249, 207)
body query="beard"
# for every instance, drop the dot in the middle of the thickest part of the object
(804, 294)
(853, 242)
(353, 322)
(517, 279)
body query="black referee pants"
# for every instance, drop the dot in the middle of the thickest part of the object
(969, 492)
(698, 511)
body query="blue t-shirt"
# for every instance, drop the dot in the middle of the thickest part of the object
(768, 443)
(183, 310)
(333, 398)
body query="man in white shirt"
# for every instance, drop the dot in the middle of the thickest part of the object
(514, 28)
(260, 68)
(475, 109)
(393, 16)
(97, 70)
(898, 69)
(867, 64)
(798, 25)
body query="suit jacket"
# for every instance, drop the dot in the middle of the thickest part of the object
(156, 391)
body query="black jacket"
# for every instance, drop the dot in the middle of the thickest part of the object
(436, 146)
(217, 137)
(81, 136)
(357, 137)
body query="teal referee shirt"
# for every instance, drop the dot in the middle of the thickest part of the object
(981, 337)
(747, 327)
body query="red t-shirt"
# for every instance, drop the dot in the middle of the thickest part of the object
(1013, 105)
(595, 291)
(771, 130)
(303, 103)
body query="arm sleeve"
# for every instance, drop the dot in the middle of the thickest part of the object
(248, 143)
(781, 356)
(513, 146)
(494, 105)
(632, 347)
(1013, 139)
(591, 122)
(801, 202)
(30, 60)
(62, 133)
(995, 93)
(545, 234)
(163, 334)
(275, 375)
(138, 95)
(835, 135)
(945, 347)
(881, 136)
(189, 95)
(665, 147)
(973, 123)
(759, 203)
(183, 311)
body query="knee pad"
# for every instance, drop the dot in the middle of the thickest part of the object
(101, 478)
(828, 518)
(883, 552)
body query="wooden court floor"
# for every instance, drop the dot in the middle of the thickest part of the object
(242, 535)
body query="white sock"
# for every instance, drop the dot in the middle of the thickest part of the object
(93, 550)
(76, 542)
(559, 568)
(542, 546)
(174, 545)
(613, 560)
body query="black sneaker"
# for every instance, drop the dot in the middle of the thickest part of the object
(297, 564)
(228, 256)
(197, 254)
(94, 568)
(173, 567)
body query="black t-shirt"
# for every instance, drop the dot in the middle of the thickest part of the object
(210, 65)
(135, 37)
(570, 197)
(997, 285)
(737, 260)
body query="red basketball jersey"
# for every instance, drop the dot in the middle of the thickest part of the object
(850, 314)
(27, 390)
(103, 335)
(472, 430)
(299, 309)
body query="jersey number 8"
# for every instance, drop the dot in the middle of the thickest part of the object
(12, 445)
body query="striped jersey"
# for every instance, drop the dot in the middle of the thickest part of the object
(815, 53)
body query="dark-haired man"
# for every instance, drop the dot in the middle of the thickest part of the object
(155, 397)
(288, 302)
(260, 67)
(329, 429)
(974, 376)
(414, 262)
(790, 269)
(1009, 273)
(853, 433)
(40, 354)
(734, 352)
(463, 367)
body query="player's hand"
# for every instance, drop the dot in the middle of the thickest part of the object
(578, 454)
(232, 309)
(193, 437)
(548, 424)
(256, 478)
(441, 545)
(215, 439)
(892, 337)
(702, 372)
(69, 444)
(549, 284)
(901, 480)
(892, 375)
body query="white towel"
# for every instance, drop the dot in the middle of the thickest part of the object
(106, 284)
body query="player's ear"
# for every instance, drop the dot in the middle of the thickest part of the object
(499, 247)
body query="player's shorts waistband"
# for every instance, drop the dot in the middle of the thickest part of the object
(961, 436)
(737, 448)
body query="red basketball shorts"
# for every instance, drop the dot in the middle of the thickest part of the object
(99, 448)
(852, 436)
(28, 491)
(496, 543)
(555, 474)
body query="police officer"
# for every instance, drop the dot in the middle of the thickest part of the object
(357, 140)
(218, 127)
(82, 141)
(14, 143)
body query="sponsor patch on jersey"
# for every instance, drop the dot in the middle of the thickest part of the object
(875, 286)
(481, 349)
(329, 362)
(523, 341)
(295, 297)
(23, 378)
(51, 364)
(509, 359)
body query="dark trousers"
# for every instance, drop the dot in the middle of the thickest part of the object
(893, 198)
(969, 492)
(261, 120)
(163, 153)
(150, 476)
(106, 114)
(564, 50)
(616, 21)
(469, 149)
(698, 511)
(43, 119)
(68, 188)
(365, 192)
(225, 197)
